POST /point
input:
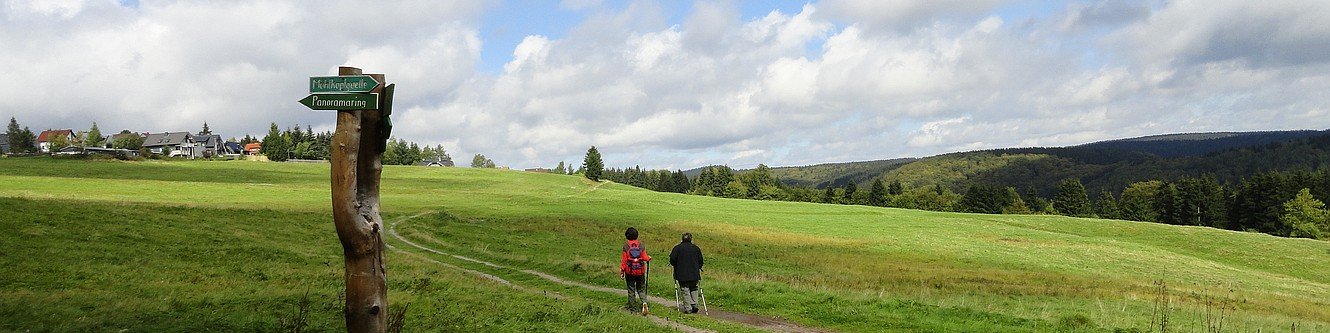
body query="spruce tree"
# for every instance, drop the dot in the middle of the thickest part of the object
(20, 140)
(275, 145)
(848, 196)
(896, 188)
(27, 141)
(1107, 206)
(94, 137)
(877, 194)
(15, 142)
(560, 169)
(1071, 199)
(1166, 204)
(592, 166)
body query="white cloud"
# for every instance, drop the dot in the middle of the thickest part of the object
(903, 15)
(835, 81)
(1259, 34)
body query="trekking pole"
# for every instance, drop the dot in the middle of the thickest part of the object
(703, 295)
(646, 284)
(677, 304)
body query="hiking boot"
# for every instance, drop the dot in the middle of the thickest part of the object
(693, 310)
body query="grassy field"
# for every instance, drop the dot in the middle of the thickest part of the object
(232, 246)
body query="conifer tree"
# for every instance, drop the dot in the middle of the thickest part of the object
(1071, 199)
(275, 145)
(14, 133)
(1107, 206)
(877, 194)
(592, 166)
(848, 197)
(896, 188)
(94, 137)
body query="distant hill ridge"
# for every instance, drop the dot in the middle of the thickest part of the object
(1196, 144)
(1100, 165)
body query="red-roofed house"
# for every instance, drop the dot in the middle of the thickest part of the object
(252, 148)
(44, 139)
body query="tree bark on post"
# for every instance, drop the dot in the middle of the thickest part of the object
(357, 155)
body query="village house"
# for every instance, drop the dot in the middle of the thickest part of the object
(44, 139)
(170, 144)
(232, 148)
(204, 146)
(4, 143)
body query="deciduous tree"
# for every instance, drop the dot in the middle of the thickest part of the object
(1306, 216)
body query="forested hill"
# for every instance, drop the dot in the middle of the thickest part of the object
(1101, 165)
(1101, 168)
(826, 174)
(1197, 144)
(836, 174)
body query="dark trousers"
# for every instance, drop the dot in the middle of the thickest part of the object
(636, 290)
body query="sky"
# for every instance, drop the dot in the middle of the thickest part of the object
(678, 84)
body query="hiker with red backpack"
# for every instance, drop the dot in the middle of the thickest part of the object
(634, 266)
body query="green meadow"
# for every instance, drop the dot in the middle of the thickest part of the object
(96, 246)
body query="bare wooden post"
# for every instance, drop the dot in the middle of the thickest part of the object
(357, 155)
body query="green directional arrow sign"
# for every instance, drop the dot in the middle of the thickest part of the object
(342, 84)
(341, 101)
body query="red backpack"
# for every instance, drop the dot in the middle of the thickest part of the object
(636, 266)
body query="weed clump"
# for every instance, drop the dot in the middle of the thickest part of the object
(1075, 321)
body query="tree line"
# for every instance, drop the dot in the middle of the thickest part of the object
(1281, 203)
(296, 143)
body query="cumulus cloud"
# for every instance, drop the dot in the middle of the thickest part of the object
(1258, 34)
(832, 81)
(904, 14)
(1103, 14)
(170, 66)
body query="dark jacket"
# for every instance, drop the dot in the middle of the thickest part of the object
(687, 261)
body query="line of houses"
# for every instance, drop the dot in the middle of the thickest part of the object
(171, 144)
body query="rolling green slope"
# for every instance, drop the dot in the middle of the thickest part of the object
(841, 268)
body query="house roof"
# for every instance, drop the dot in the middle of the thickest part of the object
(208, 140)
(48, 133)
(253, 146)
(165, 139)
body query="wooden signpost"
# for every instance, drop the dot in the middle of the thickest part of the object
(363, 107)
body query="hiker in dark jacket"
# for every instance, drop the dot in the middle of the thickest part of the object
(687, 261)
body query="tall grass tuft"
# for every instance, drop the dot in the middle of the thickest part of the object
(300, 320)
(396, 318)
(1163, 305)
